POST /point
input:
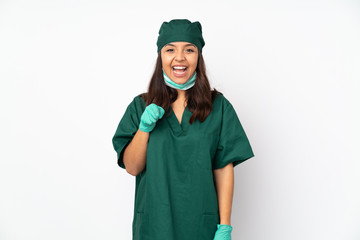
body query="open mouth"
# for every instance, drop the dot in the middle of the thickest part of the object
(179, 70)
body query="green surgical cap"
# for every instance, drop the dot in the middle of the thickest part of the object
(180, 30)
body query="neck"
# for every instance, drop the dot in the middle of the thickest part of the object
(181, 98)
(181, 94)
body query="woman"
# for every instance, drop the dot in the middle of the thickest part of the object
(181, 140)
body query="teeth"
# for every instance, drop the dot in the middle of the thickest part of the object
(179, 67)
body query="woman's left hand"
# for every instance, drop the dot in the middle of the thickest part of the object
(223, 232)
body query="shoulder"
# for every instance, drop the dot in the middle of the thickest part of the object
(140, 98)
(138, 103)
(220, 101)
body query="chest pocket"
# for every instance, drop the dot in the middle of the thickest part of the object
(207, 149)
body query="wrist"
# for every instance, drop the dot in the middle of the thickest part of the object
(224, 228)
(227, 222)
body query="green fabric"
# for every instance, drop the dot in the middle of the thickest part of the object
(175, 195)
(180, 30)
(223, 232)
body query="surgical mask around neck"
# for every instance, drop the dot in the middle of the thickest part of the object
(185, 86)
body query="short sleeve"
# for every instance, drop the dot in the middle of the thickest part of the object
(233, 145)
(125, 131)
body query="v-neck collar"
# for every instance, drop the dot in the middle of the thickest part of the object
(174, 122)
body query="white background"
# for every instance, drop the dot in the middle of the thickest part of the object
(68, 70)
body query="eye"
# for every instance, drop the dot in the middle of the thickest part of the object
(169, 50)
(190, 50)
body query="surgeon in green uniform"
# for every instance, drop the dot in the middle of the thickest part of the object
(181, 140)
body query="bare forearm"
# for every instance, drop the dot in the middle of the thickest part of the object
(224, 180)
(135, 153)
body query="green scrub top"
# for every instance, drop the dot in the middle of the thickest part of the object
(175, 195)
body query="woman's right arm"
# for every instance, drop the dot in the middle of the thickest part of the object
(135, 153)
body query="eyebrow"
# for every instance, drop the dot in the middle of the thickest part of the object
(189, 44)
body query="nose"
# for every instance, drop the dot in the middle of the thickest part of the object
(179, 56)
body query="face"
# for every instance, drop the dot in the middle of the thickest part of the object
(179, 55)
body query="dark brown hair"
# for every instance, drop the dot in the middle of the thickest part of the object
(199, 97)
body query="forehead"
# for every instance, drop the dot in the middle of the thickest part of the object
(179, 44)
